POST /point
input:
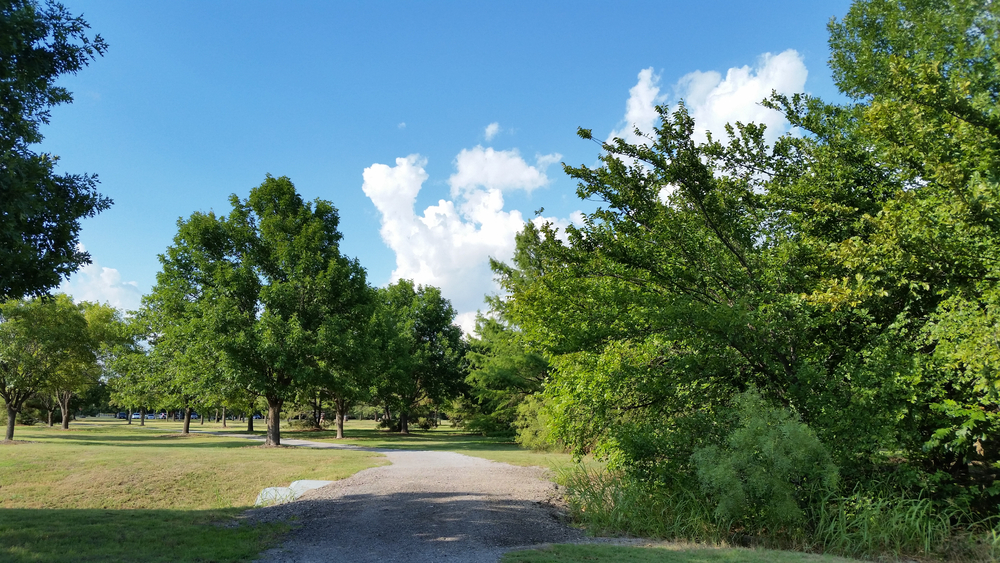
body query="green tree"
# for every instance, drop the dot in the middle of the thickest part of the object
(503, 371)
(265, 290)
(849, 273)
(419, 350)
(40, 209)
(38, 338)
(85, 368)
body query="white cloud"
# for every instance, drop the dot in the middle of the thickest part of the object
(450, 244)
(491, 131)
(714, 101)
(640, 109)
(102, 285)
(498, 170)
(402, 125)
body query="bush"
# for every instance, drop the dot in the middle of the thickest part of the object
(770, 468)
(534, 426)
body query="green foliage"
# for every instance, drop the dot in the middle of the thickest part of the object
(848, 273)
(41, 210)
(769, 471)
(417, 351)
(40, 340)
(260, 302)
(503, 371)
(534, 426)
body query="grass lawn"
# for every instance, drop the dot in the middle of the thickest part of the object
(444, 438)
(113, 492)
(562, 553)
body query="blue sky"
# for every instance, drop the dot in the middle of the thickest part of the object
(198, 100)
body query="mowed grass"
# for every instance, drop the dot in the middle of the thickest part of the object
(364, 433)
(114, 492)
(565, 553)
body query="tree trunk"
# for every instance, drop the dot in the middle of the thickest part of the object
(341, 406)
(50, 416)
(187, 420)
(250, 423)
(129, 417)
(273, 421)
(142, 416)
(404, 422)
(11, 415)
(224, 417)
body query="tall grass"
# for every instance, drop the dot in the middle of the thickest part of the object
(610, 503)
(870, 525)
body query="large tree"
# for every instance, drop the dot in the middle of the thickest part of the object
(849, 274)
(266, 289)
(40, 209)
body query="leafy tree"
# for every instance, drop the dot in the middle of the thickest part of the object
(265, 290)
(38, 338)
(418, 348)
(503, 371)
(848, 274)
(40, 209)
(79, 371)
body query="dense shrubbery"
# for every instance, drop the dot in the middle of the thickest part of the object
(849, 273)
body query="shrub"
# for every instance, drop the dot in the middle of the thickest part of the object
(534, 425)
(769, 469)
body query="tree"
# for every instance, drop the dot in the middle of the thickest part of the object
(503, 371)
(419, 350)
(105, 334)
(266, 289)
(38, 338)
(40, 210)
(849, 274)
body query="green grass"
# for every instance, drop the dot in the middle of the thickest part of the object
(443, 438)
(363, 433)
(114, 492)
(567, 553)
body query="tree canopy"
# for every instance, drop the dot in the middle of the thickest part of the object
(40, 209)
(847, 273)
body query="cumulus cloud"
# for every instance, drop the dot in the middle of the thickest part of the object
(402, 125)
(491, 169)
(99, 284)
(640, 109)
(491, 131)
(450, 243)
(714, 100)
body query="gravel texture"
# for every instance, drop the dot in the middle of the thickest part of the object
(426, 506)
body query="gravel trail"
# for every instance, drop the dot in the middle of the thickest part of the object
(427, 506)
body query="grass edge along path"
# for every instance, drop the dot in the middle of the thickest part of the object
(660, 553)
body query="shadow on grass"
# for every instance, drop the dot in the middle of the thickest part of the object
(85, 535)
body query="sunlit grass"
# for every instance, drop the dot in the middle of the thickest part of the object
(114, 492)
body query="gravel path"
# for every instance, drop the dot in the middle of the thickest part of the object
(426, 506)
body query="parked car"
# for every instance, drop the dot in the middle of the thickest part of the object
(123, 415)
(257, 417)
(150, 416)
(136, 415)
(194, 415)
(162, 416)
